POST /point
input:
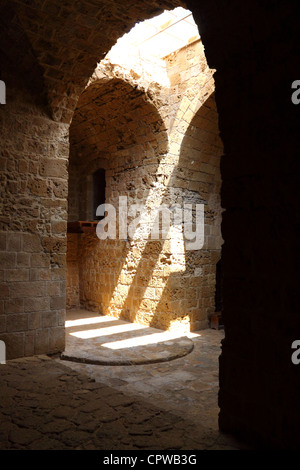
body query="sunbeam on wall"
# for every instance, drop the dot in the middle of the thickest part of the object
(149, 119)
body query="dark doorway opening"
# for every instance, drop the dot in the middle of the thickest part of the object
(98, 191)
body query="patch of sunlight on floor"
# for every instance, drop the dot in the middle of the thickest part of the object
(111, 330)
(88, 321)
(149, 339)
(131, 331)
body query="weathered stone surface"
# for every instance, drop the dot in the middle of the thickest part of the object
(165, 348)
(45, 404)
(24, 436)
(137, 281)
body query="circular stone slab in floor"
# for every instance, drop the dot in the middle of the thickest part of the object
(95, 339)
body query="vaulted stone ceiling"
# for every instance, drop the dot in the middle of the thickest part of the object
(107, 117)
(69, 38)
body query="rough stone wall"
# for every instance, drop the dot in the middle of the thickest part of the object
(69, 38)
(72, 293)
(130, 145)
(130, 172)
(195, 138)
(159, 146)
(34, 155)
(48, 51)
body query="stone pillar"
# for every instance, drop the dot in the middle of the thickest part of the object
(34, 154)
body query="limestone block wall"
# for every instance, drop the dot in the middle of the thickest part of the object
(72, 299)
(33, 168)
(159, 147)
(195, 139)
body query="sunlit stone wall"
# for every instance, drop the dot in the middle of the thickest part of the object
(160, 147)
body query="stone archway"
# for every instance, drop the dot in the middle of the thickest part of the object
(118, 128)
(144, 145)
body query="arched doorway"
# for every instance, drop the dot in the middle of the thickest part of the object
(115, 127)
(140, 133)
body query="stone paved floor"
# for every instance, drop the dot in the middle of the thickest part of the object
(47, 403)
(105, 340)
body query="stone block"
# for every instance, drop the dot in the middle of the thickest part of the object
(59, 227)
(39, 187)
(40, 274)
(49, 319)
(58, 259)
(58, 303)
(41, 343)
(27, 289)
(3, 236)
(31, 243)
(21, 274)
(23, 259)
(29, 343)
(58, 274)
(61, 317)
(35, 304)
(17, 322)
(2, 324)
(23, 166)
(60, 189)
(14, 306)
(34, 320)
(4, 291)
(40, 260)
(14, 241)
(53, 288)
(7, 259)
(57, 339)
(54, 244)
(53, 168)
